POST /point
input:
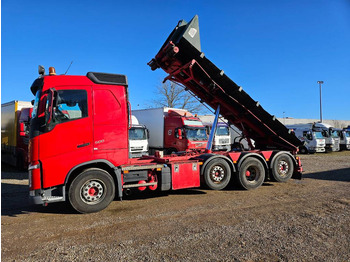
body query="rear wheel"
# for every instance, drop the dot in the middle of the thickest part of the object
(251, 173)
(91, 191)
(282, 168)
(217, 174)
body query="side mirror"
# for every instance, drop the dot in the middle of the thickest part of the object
(49, 106)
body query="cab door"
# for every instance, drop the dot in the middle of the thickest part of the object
(67, 140)
(111, 124)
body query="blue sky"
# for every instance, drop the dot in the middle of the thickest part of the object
(276, 49)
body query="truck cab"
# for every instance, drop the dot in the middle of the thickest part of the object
(138, 139)
(222, 138)
(314, 141)
(332, 138)
(70, 130)
(345, 139)
(184, 132)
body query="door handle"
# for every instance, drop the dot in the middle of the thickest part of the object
(83, 145)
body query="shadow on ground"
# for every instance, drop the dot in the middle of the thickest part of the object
(15, 197)
(332, 175)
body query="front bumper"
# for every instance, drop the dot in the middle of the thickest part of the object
(221, 148)
(46, 196)
(320, 149)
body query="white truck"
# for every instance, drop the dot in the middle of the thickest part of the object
(222, 138)
(138, 139)
(345, 139)
(315, 142)
(332, 138)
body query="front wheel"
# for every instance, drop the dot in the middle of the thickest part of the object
(170, 151)
(251, 173)
(217, 174)
(91, 191)
(282, 168)
(303, 150)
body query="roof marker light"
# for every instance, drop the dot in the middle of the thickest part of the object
(52, 71)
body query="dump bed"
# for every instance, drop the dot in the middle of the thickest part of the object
(181, 57)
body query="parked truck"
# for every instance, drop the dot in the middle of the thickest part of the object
(222, 138)
(345, 139)
(91, 166)
(15, 116)
(312, 137)
(332, 138)
(173, 130)
(138, 139)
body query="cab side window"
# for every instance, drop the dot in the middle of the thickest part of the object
(70, 105)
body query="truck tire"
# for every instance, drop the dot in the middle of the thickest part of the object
(91, 191)
(303, 150)
(282, 168)
(170, 151)
(217, 174)
(251, 173)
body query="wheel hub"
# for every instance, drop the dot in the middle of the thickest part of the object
(283, 168)
(217, 174)
(251, 173)
(92, 191)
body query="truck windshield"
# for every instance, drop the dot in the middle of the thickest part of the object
(335, 133)
(222, 131)
(137, 133)
(318, 135)
(347, 133)
(36, 104)
(325, 133)
(196, 133)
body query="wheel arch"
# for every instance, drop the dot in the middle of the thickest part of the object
(102, 164)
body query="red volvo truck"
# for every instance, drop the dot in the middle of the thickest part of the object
(83, 157)
(15, 117)
(173, 130)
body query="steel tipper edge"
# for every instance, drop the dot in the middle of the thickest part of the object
(180, 56)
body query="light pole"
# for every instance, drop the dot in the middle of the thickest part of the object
(320, 83)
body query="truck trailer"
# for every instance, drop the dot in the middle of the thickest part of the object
(92, 166)
(173, 130)
(15, 116)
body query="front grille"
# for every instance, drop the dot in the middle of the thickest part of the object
(136, 148)
(223, 141)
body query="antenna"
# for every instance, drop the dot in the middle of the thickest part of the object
(68, 67)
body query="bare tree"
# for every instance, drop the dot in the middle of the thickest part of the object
(170, 94)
